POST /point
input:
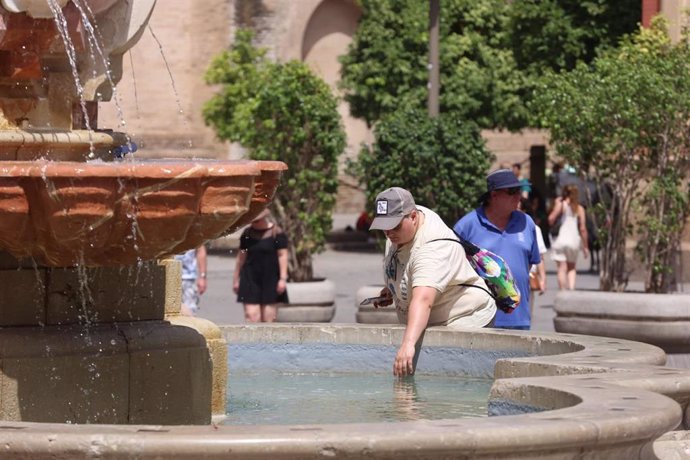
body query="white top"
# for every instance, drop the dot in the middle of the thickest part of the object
(569, 234)
(443, 266)
(540, 240)
(541, 245)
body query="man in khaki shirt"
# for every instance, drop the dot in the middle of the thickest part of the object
(427, 277)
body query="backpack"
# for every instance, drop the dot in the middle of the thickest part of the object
(494, 271)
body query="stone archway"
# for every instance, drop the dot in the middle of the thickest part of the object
(326, 36)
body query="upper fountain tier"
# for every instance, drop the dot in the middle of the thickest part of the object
(60, 57)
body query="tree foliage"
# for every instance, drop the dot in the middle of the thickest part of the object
(625, 121)
(490, 52)
(557, 34)
(442, 161)
(386, 66)
(282, 111)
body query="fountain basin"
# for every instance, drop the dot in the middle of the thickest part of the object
(565, 396)
(103, 214)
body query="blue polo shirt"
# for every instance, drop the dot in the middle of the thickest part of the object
(517, 244)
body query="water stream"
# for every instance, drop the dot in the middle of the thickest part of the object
(61, 24)
(172, 80)
(88, 19)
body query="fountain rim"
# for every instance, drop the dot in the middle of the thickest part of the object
(137, 168)
(602, 373)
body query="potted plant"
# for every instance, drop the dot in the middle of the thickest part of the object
(283, 111)
(624, 121)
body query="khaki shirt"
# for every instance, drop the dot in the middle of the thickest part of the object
(443, 266)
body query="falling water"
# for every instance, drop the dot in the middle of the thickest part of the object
(89, 21)
(94, 39)
(172, 81)
(40, 282)
(61, 23)
(84, 296)
(97, 54)
(134, 79)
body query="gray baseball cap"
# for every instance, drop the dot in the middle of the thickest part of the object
(390, 207)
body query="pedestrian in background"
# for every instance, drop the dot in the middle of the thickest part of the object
(261, 269)
(571, 220)
(193, 279)
(526, 187)
(498, 226)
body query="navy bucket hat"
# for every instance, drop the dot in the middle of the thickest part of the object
(501, 179)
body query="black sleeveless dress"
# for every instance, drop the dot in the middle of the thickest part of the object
(260, 273)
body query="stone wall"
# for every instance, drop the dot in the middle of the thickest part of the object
(162, 90)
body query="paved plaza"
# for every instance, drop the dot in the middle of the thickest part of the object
(350, 270)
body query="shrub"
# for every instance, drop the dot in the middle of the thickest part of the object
(442, 161)
(282, 111)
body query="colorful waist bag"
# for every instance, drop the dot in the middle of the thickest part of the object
(494, 271)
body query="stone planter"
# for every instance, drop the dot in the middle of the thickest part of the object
(368, 314)
(658, 319)
(309, 302)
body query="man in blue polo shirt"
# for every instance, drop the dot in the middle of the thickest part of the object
(498, 226)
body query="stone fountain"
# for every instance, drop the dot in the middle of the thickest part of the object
(89, 298)
(92, 347)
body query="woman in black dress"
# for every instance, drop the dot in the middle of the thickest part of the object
(261, 269)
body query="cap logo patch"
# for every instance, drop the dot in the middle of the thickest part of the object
(382, 208)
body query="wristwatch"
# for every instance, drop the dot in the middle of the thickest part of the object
(202, 275)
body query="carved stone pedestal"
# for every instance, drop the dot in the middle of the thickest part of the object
(92, 345)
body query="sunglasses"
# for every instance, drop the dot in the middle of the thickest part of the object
(512, 191)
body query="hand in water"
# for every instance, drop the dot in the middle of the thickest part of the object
(404, 361)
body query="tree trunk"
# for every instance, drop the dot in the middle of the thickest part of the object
(613, 275)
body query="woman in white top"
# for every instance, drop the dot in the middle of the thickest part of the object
(572, 235)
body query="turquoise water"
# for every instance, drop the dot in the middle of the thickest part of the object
(273, 398)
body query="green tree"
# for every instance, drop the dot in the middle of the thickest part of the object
(385, 67)
(557, 34)
(442, 161)
(490, 50)
(625, 121)
(282, 111)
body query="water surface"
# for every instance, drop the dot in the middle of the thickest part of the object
(274, 398)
